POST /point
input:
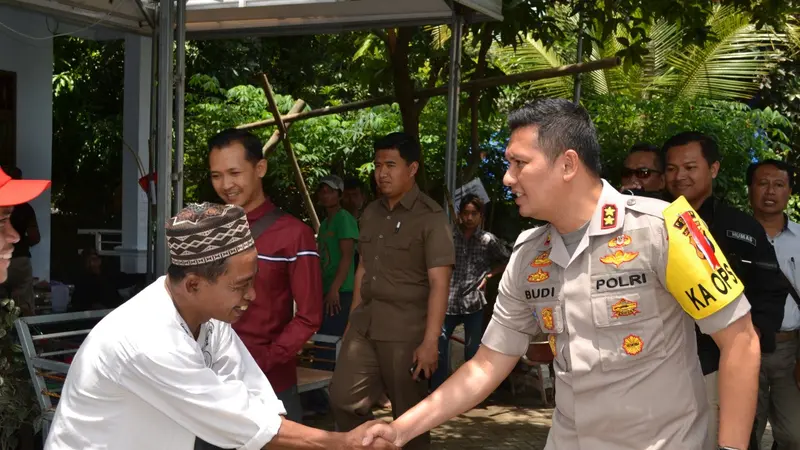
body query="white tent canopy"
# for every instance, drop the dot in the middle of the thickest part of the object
(237, 18)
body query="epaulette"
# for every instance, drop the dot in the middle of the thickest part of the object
(531, 234)
(432, 204)
(646, 205)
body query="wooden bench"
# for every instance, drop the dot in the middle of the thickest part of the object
(310, 379)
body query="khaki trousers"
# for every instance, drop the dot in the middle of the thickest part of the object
(779, 396)
(712, 394)
(365, 369)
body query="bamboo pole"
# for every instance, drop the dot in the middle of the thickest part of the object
(484, 83)
(288, 146)
(269, 147)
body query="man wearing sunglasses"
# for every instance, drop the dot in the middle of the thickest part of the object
(643, 171)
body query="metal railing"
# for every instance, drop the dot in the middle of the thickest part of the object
(45, 353)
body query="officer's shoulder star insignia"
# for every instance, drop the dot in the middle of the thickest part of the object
(609, 216)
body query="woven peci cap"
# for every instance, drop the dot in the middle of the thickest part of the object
(207, 232)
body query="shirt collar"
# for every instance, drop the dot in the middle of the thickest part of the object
(706, 210)
(609, 215)
(262, 209)
(793, 227)
(408, 199)
(477, 234)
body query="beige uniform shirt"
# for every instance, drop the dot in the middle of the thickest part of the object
(627, 371)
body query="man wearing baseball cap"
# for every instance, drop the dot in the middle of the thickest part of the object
(13, 193)
(336, 241)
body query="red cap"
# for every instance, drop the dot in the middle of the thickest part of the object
(17, 192)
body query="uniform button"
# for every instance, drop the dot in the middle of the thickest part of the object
(376, 257)
(631, 202)
(374, 278)
(388, 217)
(380, 236)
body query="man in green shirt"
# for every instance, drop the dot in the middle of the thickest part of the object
(336, 240)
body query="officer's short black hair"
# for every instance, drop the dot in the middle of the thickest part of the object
(471, 199)
(404, 143)
(649, 148)
(707, 144)
(251, 143)
(778, 164)
(561, 125)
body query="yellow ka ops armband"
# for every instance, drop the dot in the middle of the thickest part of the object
(698, 275)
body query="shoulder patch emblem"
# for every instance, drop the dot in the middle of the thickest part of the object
(609, 216)
(543, 260)
(698, 274)
(619, 258)
(633, 345)
(538, 276)
(742, 237)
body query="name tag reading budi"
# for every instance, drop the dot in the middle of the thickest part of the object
(698, 275)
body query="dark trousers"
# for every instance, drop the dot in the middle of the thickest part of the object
(333, 326)
(291, 403)
(367, 368)
(473, 331)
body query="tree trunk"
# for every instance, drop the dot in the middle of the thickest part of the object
(474, 103)
(399, 41)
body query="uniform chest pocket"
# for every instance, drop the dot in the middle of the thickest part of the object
(549, 316)
(629, 329)
(399, 242)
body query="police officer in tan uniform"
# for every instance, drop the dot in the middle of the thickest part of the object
(616, 283)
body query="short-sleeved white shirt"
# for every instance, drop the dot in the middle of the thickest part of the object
(141, 381)
(787, 248)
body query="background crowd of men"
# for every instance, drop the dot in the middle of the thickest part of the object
(762, 248)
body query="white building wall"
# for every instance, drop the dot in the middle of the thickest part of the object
(32, 61)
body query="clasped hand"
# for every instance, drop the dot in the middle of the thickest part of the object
(375, 434)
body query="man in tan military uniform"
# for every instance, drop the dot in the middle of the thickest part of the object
(400, 295)
(617, 284)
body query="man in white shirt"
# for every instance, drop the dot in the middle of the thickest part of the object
(166, 368)
(770, 186)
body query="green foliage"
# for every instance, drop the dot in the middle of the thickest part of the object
(87, 128)
(338, 143)
(17, 402)
(743, 134)
(726, 67)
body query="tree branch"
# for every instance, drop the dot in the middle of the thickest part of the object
(474, 102)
